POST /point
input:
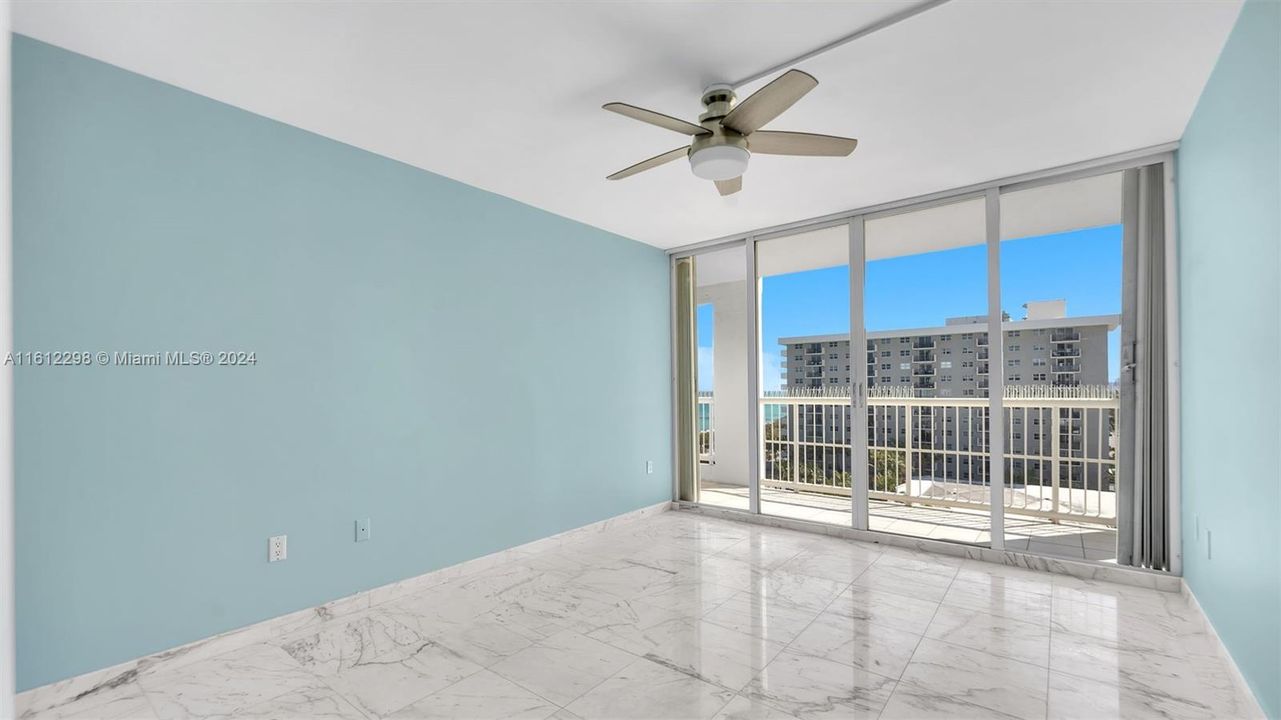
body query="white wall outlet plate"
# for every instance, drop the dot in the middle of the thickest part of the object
(363, 530)
(649, 467)
(277, 549)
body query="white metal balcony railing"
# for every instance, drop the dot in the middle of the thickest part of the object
(706, 428)
(1060, 448)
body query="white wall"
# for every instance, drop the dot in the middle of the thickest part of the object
(731, 346)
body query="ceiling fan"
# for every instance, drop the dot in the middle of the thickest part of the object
(729, 132)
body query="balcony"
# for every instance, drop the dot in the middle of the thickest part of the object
(926, 356)
(1071, 351)
(981, 340)
(924, 343)
(924, 370)
(929, 464)
(983, 354)
(1066, 367)
(1065, 336)
(981, 369)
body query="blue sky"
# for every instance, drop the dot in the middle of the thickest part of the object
(1083, 267)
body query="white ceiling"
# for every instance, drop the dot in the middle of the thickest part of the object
(506, 96)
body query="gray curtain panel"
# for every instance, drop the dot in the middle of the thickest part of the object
(1142, 492)
(686, 383)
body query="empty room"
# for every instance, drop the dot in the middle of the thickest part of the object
(644, 360)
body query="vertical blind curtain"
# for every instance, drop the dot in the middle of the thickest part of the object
(1143, 496)
(686, 383)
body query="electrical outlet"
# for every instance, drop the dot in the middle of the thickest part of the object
(362, 530)
(277, 549)
(649, 467)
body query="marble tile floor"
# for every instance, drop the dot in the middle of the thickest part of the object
(1074, 541)
(685, 616)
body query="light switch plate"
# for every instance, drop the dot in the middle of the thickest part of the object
(363, 530)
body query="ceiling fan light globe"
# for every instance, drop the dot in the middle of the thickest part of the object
(719, 162)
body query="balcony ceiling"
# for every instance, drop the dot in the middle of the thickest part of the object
(506, 96)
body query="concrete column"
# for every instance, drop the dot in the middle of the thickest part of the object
(730, 347)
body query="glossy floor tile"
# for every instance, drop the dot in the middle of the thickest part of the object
(685, 616)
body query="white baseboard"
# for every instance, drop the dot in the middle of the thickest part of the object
(55, 694)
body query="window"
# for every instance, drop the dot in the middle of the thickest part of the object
(1013, 348)
(885, 366)
(885, 353)
(945, 364)
(1014, 362)
(905, 366)
(904, 353)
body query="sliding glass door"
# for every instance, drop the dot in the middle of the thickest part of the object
(986, 369)
(1062, 271)
(712, 378)
(926, 318)
(807, 370)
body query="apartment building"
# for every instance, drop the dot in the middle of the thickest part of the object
(1045, 348)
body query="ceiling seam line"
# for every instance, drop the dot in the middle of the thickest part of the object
(860, 33)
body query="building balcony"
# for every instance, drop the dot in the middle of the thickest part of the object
(1067, 351)
(1065, 336)
(924, 370)
(924, 343)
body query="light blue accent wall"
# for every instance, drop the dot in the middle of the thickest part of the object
(1229, 200)
(469, 372)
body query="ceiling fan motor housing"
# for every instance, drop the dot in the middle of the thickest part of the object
(721, 154)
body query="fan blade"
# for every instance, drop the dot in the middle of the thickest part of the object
(775, 142)
(656, 118)
(729, 187)
(653, 162)
(769, 102)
